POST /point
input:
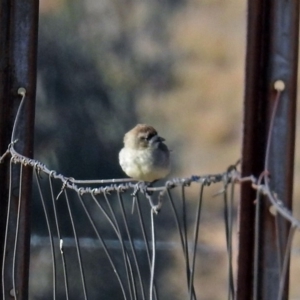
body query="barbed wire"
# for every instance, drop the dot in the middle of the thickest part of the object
(105, 188)
(232, 174)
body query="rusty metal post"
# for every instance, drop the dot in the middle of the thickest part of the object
(18, 56)
(272, 54)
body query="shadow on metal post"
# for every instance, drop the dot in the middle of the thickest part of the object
(18, 48)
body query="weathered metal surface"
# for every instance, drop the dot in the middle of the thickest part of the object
(18, 51)
(272, 54)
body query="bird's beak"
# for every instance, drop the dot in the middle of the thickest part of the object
(157, 139)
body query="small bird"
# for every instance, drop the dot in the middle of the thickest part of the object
(144, 156)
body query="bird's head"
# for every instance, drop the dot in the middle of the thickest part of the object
(142, 136)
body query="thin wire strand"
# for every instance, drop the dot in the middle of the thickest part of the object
(185, 236)
(280, 207)
(182, 240)
(141, 220)
(256, 244)
(286, 261)
(266, 176)
(278, 240)
(195, 240)
(77, 246)
(104, 246)
(269, 140)
(228, 235)
(17, 234)
(120, 198)
(152, 271)
(176, 220)
(62, 254)
(49, 232)
(230, 254)
(115, 226)
(6, 228)
(21, 92)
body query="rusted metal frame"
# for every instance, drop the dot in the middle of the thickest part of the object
(18, 56)
(4, 128)
(272, 54)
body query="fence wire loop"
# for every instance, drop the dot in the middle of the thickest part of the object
(62, 188)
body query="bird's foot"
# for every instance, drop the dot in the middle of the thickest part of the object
(143, 186)
(139, 186)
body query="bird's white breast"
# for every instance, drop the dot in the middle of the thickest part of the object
(144, 164)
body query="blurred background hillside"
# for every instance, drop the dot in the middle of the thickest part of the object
(104, 66)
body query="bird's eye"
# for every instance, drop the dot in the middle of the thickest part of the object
(150, 136)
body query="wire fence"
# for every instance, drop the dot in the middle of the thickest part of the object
(133, 230)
